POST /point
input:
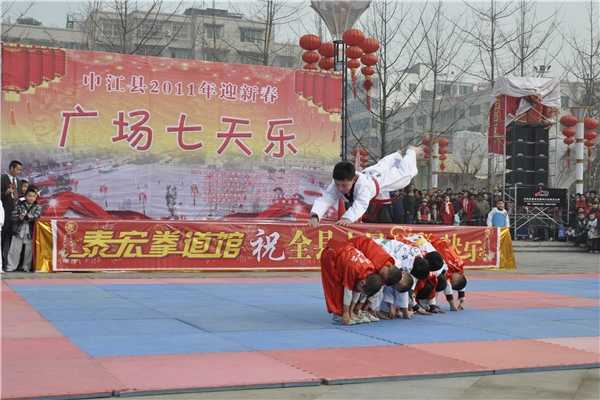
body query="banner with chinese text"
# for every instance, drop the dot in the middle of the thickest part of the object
(89, 245)
(115, 136)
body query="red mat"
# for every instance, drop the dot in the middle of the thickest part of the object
(28, 329)
(14, 304)
(571, 302)
(21, 316)
(59, 348)
(363, 363)
(590, 343)
(208, 370)
(511, 354)
(56, 378)
(4, 287)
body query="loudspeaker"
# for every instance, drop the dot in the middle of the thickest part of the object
(517, 135)
(541, 164)
(540, 178)
(542, 135)
(519, 178)
(520, 163)
(540, 149)
(516, 149)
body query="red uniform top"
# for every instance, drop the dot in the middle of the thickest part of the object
(453, 261)
(374, 252)
(342, 266)
(432, 279)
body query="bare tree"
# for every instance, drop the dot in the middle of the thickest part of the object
(583, 66)
(530, 37)
(20, 14)
(268, 16)
(390, 24)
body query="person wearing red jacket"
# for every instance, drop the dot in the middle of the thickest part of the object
(447, 211)
(468, 206)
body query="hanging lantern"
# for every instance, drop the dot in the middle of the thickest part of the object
(327, 49)
(353, 37)
(310, 67)
(589, 144)
(569, 141)
(569, 132)
(443, 157)
(426, 149)
(590, 123)
(443, 142)
(310, 57)
(590, 135)
(310, 42)
(353, 64)
(370, 45)
(369, 60)
(443, 150)
(568, 120)
(442, 167)
(15, 74)
(426, 140)
(326, 63)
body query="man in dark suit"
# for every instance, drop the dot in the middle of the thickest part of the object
(10, 190)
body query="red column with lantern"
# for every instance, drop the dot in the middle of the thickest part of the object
(569, 121)
(369, 46)
(590, 136)
(310, 43)
(354, 39)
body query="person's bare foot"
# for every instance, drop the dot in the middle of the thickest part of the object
(418, 151)
(381, 315)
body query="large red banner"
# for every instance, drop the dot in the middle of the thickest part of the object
(89, 245)
(117, 136)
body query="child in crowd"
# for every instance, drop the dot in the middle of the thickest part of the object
(581, 230)
(447, 211)
(24, 186)
(460, 218)
(24, 214)
(391, 173)
(435, 215)
(423, 212)
(498, 216)
(593, 233)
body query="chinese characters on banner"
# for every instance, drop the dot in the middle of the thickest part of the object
(87, 245)
(136, 132)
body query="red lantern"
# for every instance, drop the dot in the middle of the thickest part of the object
(589, 143)
(370, 45)
(443, 142)
(353, 37)
(35, 66)
(326, 63)
(15, 71)
(590, 123)
(426, 155)
(310, 42)
(443, 150)
(49, 57)
(310, 57)
(590, 135)
(354, 52)
(310, 67)
(568, 120)
(426, 140)
(442, 167)
(369, 59)
(367, 70)
(426, 149)
(61, 60)
(326, 49)
(353, 64)
(569, 132)
(569, 141)
(443, 157)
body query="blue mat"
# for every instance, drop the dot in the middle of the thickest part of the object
(303, 339)
(539, 329)
(150, 344)
(133, 327)
(85, 314)
(265, 321)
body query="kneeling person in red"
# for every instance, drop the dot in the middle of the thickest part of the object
(344, 270)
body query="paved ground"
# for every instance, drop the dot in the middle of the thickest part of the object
(571, 384)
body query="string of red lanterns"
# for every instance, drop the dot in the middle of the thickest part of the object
(590, 124)
(359, 50)
(590, 136)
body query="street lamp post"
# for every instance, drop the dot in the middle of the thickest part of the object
(339, 16)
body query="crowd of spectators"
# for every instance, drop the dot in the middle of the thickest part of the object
(468, 206)
(583, 228)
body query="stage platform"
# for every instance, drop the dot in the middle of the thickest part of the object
(122, 337)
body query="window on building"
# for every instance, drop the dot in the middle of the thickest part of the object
(251, 35)
(149, 29)
(286, 61)
(149, 51)
(110, 28)
(251, 58)
(454, 89)
(179, 53)
(486, 105)
(564, 101)
(465, 89)
(412, 87)
(475, 110)
(214, 55)
(180, 30)
(421, 120)
(213, 31)
(409, 123)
